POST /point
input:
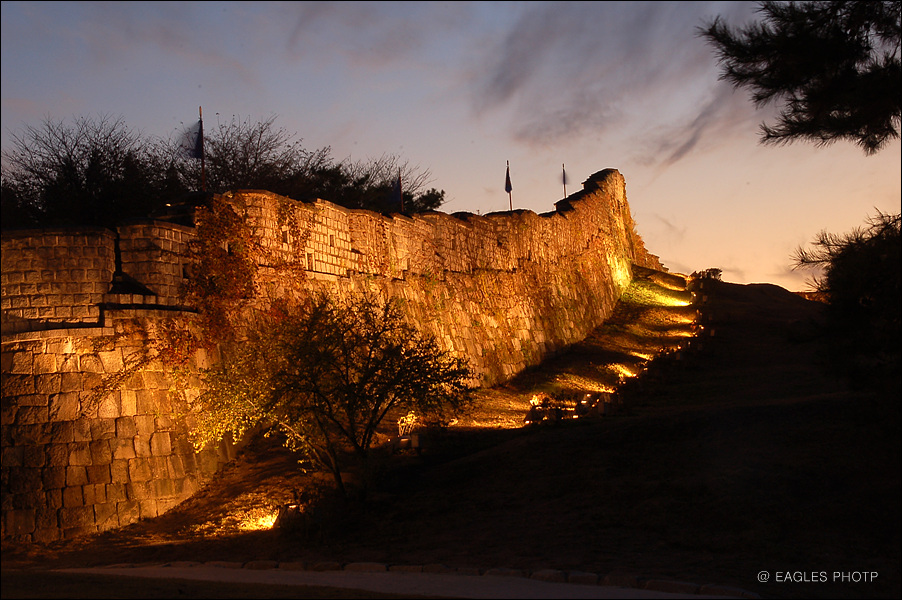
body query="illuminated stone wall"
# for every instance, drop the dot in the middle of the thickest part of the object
(68, 469)
(504, 290)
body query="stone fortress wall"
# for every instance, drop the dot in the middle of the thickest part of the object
(505, 290)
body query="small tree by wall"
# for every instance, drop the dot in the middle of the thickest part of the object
(326, 374)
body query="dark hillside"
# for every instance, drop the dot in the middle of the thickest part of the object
(733, 453)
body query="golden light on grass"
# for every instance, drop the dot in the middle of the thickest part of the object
(647, 294)
(246, 512)
(674, 300)
(256, 519)
(579, 382)
(624, 371)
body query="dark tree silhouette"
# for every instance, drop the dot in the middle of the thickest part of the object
(242, 154)
(93, 172)
(833, 66)
(99, 172)
(861, 280)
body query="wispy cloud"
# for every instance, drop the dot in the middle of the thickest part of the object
(373, 34)
(577, 69)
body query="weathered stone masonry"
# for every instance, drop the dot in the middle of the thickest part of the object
(505, 290)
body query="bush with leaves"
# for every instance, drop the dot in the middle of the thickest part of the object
(325, 374)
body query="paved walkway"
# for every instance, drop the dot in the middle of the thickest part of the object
(429, 580)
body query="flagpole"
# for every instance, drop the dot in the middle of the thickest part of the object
(203, 157)
(507, 186)
(400, 191)
(564, 179)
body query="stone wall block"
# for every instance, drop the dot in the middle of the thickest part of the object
(71, 382)
(34, 456)
(73, 496)
(90, 363)
(31, 434)
(126, 428)
(20, 363)
(61, 432)
(155, 380)
(64, 406)
(148, 508)
(91, 381)
(142, 446)
(128, 402)
(123, 448)
(46, 518)
(128, 512)
(115, 492)
(53, 478)
(76, 517)
(67, 363)
(27, 499)
(160, 444)
(103, 429)
(106, 516)
(119, 470)
(176, 466)
(166, 502)
(145, 402)
(138, 490)
(12, 456)
(187, 486)
(99, 474)
(163, 423)
(48, 384)
(19, 522)
(145, 424)
(75, 476)
(109, 406)
(163, 488)
(79, 453)
(207, 462)
(81, 430)
(46, 535)
(159, 467)
(111, 361)
(134, 382)
(57, 454)
(53, 499)
(101, 452)
(8, 416)
(17, 385)
(189, 461)
(94, 493)
(139, 470)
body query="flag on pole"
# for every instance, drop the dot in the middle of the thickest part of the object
(193, 142)
(507, 185)
(398, 192)
(193, 146)
(564, 179)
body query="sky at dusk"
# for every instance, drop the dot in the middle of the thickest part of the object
(461, 88)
